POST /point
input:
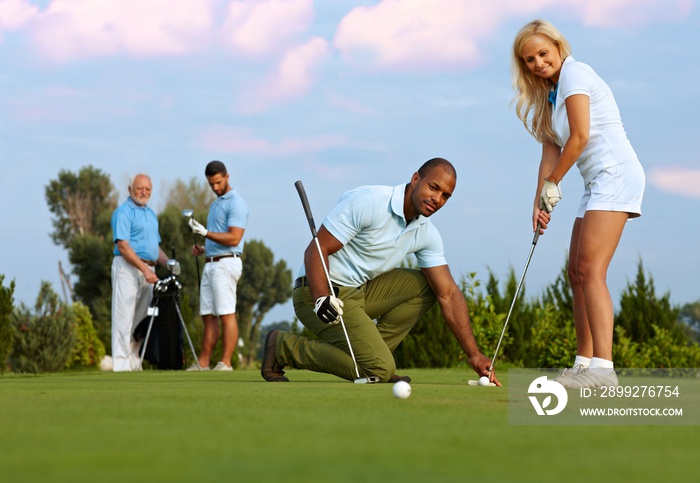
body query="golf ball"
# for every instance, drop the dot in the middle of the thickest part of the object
(484, 381)
(402, 390)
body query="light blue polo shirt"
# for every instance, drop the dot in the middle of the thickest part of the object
(139, 226)
(369, 222)
(229, 209)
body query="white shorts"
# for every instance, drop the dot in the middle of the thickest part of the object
(618, 188)
(218, 291)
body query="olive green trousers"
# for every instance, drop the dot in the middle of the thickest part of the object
(396, 300)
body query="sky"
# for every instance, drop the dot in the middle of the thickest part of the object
(340, 94)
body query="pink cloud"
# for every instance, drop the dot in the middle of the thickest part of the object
(84, 28)
(15, 13)
(293, 76)
(406, 35)
(415, 35)
(258, 28)
(676, 180)
(239, 140)
(630, 13)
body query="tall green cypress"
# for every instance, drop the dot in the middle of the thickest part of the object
(6, 307)
(641, 309)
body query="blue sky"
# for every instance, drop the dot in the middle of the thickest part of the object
(340, 94)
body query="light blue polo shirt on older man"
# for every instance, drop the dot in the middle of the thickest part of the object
(369, 222)
(139, 226)
(229, 209)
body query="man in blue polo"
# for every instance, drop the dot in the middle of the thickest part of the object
(226, 223)
(363, 240)
(136, 252)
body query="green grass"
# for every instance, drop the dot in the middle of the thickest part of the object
(194, 427)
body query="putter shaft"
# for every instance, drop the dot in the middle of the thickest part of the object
(515, 297)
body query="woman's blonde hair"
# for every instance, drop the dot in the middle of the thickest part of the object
(532, 92)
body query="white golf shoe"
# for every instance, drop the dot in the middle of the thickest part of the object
(568, 373)
(194, 367)
(222, 367)
(588, 378)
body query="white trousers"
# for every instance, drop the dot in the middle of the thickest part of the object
(131, 296)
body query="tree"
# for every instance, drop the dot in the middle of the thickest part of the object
(263, 285)
(82, 206)
(641, 309)
(194, 194)
(689, 315)
(77, 202)
(6, 307)
(177, 236)
(91, 258)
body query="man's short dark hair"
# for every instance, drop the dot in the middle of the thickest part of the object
(215, 167)
(431, 164)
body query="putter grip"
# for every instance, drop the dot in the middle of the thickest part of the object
(307, 209)
(537, 234)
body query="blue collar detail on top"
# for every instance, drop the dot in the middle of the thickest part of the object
(553, 95)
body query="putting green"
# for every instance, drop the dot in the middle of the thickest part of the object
(210, 426)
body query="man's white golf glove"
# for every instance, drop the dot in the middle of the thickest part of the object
(329, 309)
(550, 196)
(197, 227)
(174, 266)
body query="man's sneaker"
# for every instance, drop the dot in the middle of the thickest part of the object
(195, 367)
(222, 367)
(587, 378)
(396, 378)
(568, 373)
(271, 370)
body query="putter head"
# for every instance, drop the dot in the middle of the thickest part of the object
(473, 382)
(367, 380)
(187, 213)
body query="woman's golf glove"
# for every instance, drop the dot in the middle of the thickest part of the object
(550, 196)
(329, 309)
(197, 227)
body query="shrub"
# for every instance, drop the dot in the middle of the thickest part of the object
(88, 349)
(552, 341)
(664, 351)
(429, 344)
(487, 322)
(43, 340)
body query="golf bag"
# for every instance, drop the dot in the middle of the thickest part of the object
(161, 331)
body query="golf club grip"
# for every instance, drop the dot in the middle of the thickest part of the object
(307, 208)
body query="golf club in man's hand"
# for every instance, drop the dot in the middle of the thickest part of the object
(189, 214)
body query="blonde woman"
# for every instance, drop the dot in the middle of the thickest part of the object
(571, 111)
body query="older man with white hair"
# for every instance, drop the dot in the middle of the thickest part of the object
(136, 253)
